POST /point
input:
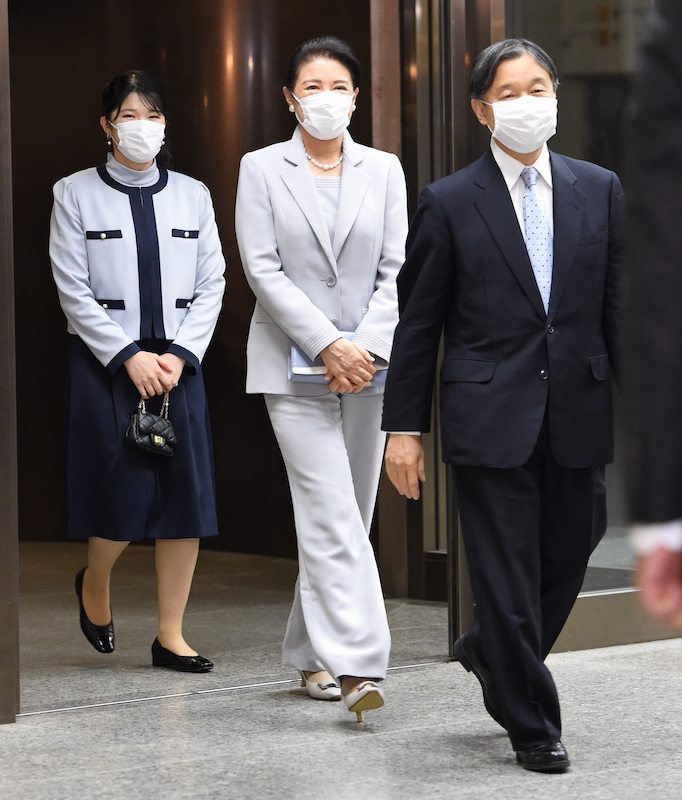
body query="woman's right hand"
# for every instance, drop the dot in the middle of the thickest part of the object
(147, 373)
(350, 368)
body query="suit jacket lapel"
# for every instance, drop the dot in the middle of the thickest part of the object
(299, 181)
(495, 206)
(569, 210)
(354, 185)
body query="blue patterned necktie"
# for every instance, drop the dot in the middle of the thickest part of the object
(538, 236)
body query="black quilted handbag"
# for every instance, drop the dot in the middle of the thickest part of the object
(151, 433)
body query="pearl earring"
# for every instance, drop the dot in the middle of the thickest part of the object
(109, 140)
(291, 108)
(353, 107)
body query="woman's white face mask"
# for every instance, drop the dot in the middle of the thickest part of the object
(325, 114)
(525, 123)
(140, 140)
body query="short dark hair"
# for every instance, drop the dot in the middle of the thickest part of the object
(151, 92)
(485, 66)
(146, 85)
(322, 47)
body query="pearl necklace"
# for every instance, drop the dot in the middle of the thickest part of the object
(325, 167)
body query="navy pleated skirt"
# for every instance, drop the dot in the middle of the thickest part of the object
(117, 493)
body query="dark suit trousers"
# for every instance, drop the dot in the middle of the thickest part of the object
(528, 533)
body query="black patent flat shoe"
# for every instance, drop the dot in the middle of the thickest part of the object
(161, 657)
(101, 637)
(544, 758)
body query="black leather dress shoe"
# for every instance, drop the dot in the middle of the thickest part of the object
(544, 758)
(101, 637)
(161, 657)
(468, 658)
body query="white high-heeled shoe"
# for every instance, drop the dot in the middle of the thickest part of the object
(321, 691)
(365, 698)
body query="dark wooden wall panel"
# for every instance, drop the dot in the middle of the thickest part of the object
(9, 580)
(223, 64)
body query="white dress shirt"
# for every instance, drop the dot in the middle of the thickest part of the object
(647, 538)
(511, 170)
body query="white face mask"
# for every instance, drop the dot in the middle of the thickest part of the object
(526, 123)
(325, 114)
(140, 140)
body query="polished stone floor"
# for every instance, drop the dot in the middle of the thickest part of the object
(96, 726)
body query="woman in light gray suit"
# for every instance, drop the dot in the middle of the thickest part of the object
(321, 225)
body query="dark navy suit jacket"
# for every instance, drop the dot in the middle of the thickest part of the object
(506, 362)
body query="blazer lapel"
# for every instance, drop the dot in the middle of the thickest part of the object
(354, 185)
(569, 210)
(495, 206)
(299, 181)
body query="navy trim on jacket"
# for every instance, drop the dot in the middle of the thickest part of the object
(147, 241)
(191, 360)
(124, 355)
(103, 235)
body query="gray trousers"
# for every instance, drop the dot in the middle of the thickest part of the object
(332, 447)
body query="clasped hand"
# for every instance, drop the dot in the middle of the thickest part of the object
(153, 374)
(350, 368)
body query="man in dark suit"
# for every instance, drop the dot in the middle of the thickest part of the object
(515, 258)
(653, 330)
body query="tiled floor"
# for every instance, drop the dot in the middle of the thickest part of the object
(95, 726)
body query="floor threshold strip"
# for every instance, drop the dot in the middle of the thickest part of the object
(193, 693)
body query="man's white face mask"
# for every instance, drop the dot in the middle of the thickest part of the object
(525, 123)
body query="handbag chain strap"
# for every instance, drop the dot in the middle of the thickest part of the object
(165, 405)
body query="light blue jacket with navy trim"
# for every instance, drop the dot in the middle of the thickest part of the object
(137, 262)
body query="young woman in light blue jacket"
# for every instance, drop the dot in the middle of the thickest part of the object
(139, 271)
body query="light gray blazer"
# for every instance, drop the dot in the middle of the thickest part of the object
(308, 287)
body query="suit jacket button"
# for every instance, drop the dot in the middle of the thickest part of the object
(550, 329)
(105, 305)
(544, 374)
(186, 234)
(102, 235)
(331, 281)
(189, 304)
(335, 323)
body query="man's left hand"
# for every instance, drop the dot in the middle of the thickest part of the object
(405, 463)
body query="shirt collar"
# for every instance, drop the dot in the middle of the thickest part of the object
(511, 169)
